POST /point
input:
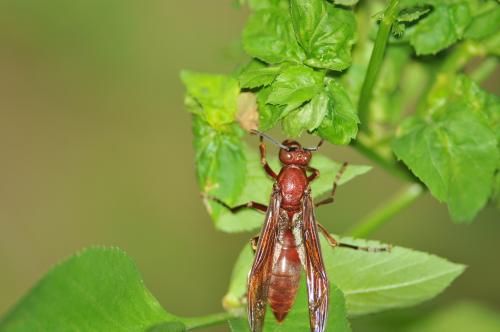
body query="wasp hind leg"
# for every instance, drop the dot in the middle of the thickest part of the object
(334, 243)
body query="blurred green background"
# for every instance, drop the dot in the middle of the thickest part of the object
(96, 148)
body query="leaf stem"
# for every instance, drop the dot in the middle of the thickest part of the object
(384, 160)
(484, 70)
(376, 60)
(203, 321)
(384, 213)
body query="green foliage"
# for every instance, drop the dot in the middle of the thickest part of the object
(452, 147)
(370, 282)
(96, 290)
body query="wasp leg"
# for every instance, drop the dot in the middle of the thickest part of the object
(254, 242)
(331, 199)
(237, 208)
(334, 243)
(314, 175)
(263, 160)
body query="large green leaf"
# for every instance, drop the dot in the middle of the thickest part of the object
(294, 86)
(370, 282)
(98, 289)
(258, 188)
(444, 25)
(216, 94)
(453, 148)
(220, 162)
(325, 32)
(340, 123)
(269, 37)
(486, 23)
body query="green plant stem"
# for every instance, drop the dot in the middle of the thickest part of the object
(385, 161)
(384, 213)
(484, 70)
(203, 321)
(376, 60)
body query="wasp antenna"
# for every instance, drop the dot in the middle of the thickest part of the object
(270, 139)
(315, 148)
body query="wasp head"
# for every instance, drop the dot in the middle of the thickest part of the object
(294, 154)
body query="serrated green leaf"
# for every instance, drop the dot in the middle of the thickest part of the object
(340, 124)
(307, 117)
(220, 162)
(325, 32)
(258, 188)
(257, 74)
(455, 154)
(97, 289)
(372, 282)
(269, 37)
(295, 86)
(269, 114)
(484, 24)
(216, 94)
(444, 26)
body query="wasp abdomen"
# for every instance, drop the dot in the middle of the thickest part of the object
(285, 278)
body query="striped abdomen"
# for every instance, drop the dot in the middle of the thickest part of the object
(285, 277)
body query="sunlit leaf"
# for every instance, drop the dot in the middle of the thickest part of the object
(269, 37)
(307, 117)
(294, 86)
(257, 74)
(216, 94)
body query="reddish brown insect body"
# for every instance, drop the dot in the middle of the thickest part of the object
(289, 241)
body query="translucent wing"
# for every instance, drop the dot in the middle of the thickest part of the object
(317, 281)
(258, 279)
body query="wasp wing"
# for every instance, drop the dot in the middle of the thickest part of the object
(317, 281)
(258, 279)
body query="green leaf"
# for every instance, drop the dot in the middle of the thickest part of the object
(412, 14)
(371, 282)
(298, 318)
(220, 163)
(269, 37)
(269, 114)
(216, 94)
(295, 86)
(485, 24)
(444, 26)
(307, 117)
(257, 74)
(340, 124)
(258, 187)
(97, 289)
(325, 32)
(454, 153)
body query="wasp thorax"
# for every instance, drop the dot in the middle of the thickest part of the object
(294, 155)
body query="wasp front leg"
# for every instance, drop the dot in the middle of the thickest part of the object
(331, 199)
(334, 243)
(235, 209)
